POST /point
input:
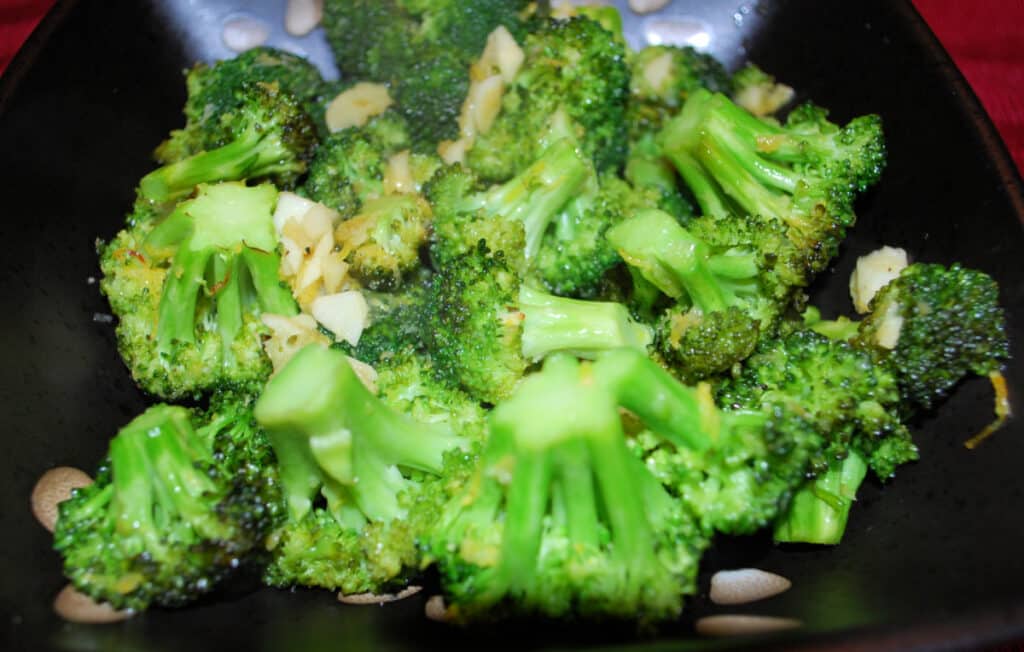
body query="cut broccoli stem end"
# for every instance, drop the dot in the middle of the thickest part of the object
(819, 511)
(582, 328)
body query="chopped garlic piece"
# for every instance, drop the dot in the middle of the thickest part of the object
(501, 53)
(873, 272)
(887, 335)
(764, 99)
(345, 314)
(365, 373)
(484, 101)
(290, 205)
(398, 174)
(657, 72)
(288, 335)
(354, 107)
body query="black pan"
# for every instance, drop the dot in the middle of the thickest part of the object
(932, 559)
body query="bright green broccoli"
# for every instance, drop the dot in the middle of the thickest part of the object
(561, 519)
(727, 276)
(179, 504)
(804, 174)
(819, 510)
(268, 135)
(574, 82)
(382, 242)
(512, 217)
(189, 292)
(383, 474)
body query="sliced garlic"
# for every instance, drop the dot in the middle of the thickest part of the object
(398, 174)
(355, 106)
(345, 314)
(874, 271)
(288, 335)
(302, 16)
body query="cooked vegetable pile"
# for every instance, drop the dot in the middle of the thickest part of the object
(508, 300)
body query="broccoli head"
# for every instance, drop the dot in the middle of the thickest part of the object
(383, 475)
(382, 242)
(179, 503)
(189, 292)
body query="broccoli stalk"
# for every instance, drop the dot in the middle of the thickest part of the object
(269, 135)
(804, 174)
(225, 244)
(332, 435)
(819, 511)
(172, 512)
(563, 517)
(583, 328)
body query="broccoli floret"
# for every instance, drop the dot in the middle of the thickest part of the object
(934, 325)
(662, 77)
(422, 49)
(652, 174)
(561, 520)
(382, 243)
(349, 166)
(575, 257)
(819, 511)
(473, 324)
(179, 503)
(384, 476)
(573, 68)
(804, 174)
(837, 387)
(189, 292)
(267, 135)
(214, 100)
(512, 217)
(726, 281)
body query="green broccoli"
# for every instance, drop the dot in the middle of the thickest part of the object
(512, 217)
(662, 77)
(804, 174)
(728, 277)
(651, 174)
(382, 243)
(179, 504)
(267, 135)
(574, 73)
(934, 325)
(819, 510)
(214, 98)
(383, 474)
(561, 520)
(189, 292)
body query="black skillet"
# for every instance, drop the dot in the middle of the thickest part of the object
(934, 559)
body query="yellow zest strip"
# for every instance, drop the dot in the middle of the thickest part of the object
(1002, 411)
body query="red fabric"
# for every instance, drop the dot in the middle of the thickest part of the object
(985, 38)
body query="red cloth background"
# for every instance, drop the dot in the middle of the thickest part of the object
(985, 38)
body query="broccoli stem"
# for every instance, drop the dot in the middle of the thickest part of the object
(251, 155)
(583, 328)
(819, 510)
(326, 427)
(678, 263)
(536, 194)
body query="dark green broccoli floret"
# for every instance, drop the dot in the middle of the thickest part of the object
(473, 325)
(214, 101)
(848, 397)
(383, 474)
(561, 519)
(267, 135)
(575, 257)
(662, 77)
(189, 292)
(382, 243)
(422, 49)
(178, 504)
(934, 325)
(804, 174)
(348, 167)
(512, 217)
(574, 72)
